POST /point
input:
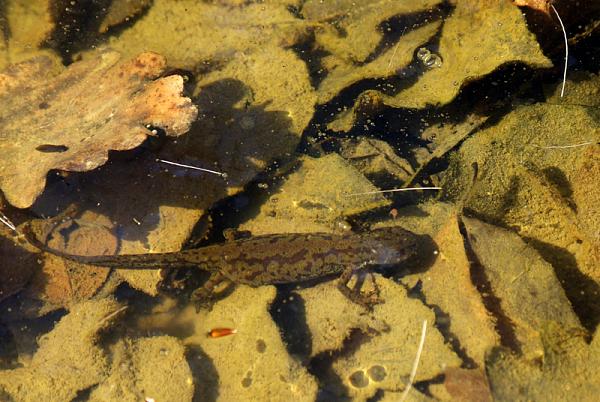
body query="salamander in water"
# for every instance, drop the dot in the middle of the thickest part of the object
(272, 259)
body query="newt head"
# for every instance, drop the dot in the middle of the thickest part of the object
(391, 245)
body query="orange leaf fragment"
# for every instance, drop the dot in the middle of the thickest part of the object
(540, 5)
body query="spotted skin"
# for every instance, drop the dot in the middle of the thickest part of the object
(274, 258)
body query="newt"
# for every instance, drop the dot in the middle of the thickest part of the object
(271, 259)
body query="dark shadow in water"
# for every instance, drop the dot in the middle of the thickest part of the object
(288, 312)
(559, 181)
(8, 348)
(134, 185)
(205, 373)
(442, 323)
(424, 258)
(77, 25)
(582, 291)
(504, 326)
(331, 386)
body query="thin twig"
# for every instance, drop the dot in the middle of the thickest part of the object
(395, 190)
(565, 146)
(413, 372)
(193, 167)
(562, 91)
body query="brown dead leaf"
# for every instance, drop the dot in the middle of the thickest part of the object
(521, 288)
(70, 122)
(448, 285)
(540, 5)
(62, 282)
(467, 385)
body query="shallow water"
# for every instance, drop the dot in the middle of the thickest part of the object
(138, 127)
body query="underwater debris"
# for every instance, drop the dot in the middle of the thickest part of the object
(429, 59)
(567, 371)
(413, 371)
(307, 203)
(477, 38)
(352, 29)
(540, 5)
(69, 358)
(25, 25)
(121, 11)
(71, 121)
(221, 332)
(546, 195)
(61, 283)
(200, 34)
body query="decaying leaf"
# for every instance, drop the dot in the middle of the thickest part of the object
(121, 11)
(308, 201)
(63, 123)
(540, 5)
(355, 30)
(196, 35)
(247, 121)
(528, 181)
(254, 111)
(376, 159)
(68, 360)
(448, 284)
(518, 286)
(568, 370)
(466, 385)
(477, 38)
(342, 74)
(25, 26)
(60, 282)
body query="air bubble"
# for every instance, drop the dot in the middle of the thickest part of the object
(359, 379)
(377, 373)
(429, 59)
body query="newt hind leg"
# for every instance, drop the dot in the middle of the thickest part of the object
(354, 294)
(216, 287)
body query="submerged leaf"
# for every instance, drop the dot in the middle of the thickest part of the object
(568, 370)
(63, 123)
(354, 29)
(477, 38)
(69, 359)
(201, 34)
